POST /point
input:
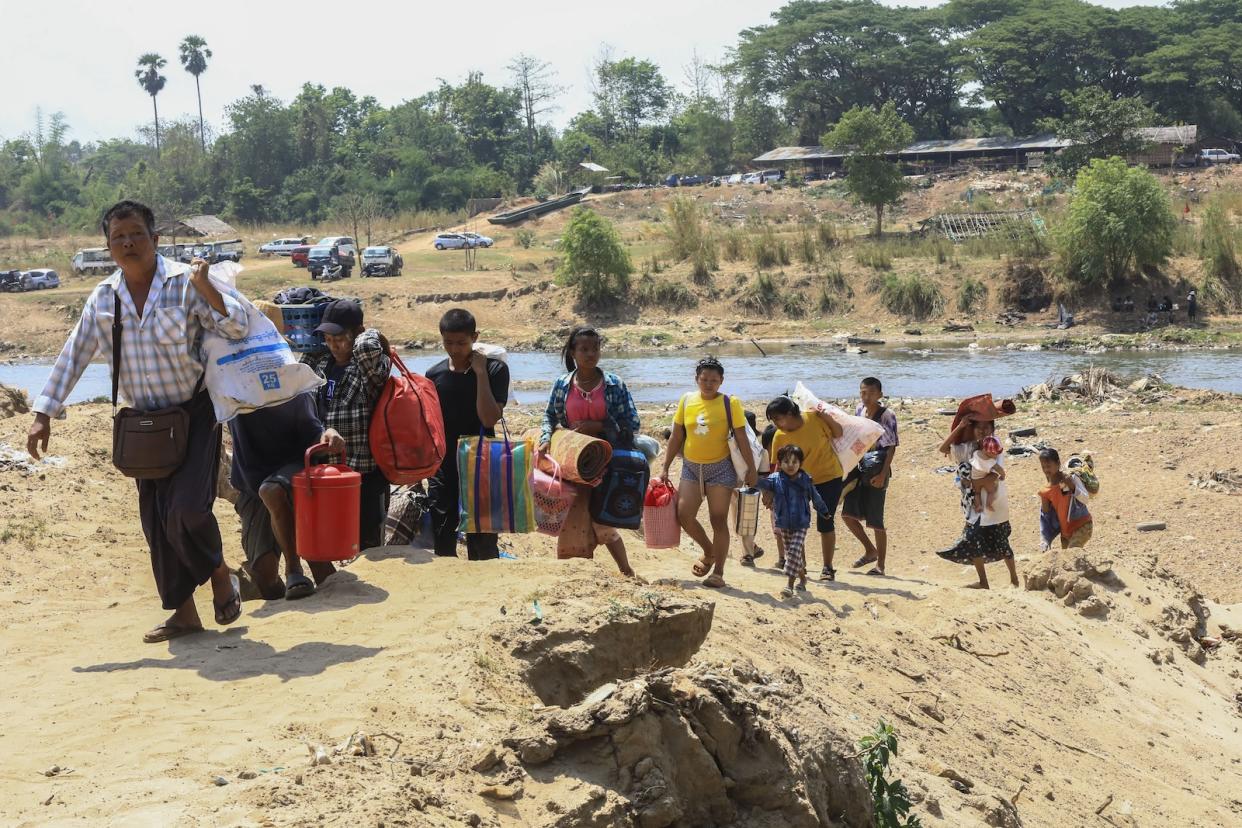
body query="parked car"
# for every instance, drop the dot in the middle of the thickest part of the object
(1208, 157)
(93, 260)
(453, 241)
(344, 244)
(298, 255)
(479, 240)
(10, 281)
(690, 180)
(283, 247)
(328, 256)
(173, 251)
(381, 261)
(40, 278)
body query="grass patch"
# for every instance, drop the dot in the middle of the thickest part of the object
(913, 296)
(827, 236)
(767, 250)
(733, 244)
(652, 292)
(875, 256)
(524, 238)
(806, 247)
(762, 296)
(26, 531)
(971, 294)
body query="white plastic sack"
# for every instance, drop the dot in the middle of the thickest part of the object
(225, 273)
(756, 449)
(858, 434)
(257, 371)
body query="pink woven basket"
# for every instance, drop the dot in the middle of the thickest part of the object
(553, 498)
(661, 529)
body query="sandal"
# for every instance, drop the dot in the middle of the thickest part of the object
(758, 553)
(748, 560)
(298, 586)
(701, 568)
(780, 564)
(802, 585)
(714, 581)
(864, 560)
(827, 574)
(787, 593)
(875, 570)
(230, 610)
(167, 632)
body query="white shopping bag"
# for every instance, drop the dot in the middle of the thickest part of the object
(858, 434)
(257, 371)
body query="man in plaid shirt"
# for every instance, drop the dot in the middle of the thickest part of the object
(165, 307)
(356, 366)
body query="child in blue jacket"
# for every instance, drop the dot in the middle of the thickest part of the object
(791, 489)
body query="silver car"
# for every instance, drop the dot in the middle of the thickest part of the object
(456, 241)
(40, 279)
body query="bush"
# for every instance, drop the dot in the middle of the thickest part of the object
(826, 233)
(806, 247)
(762, 296)
(1217, 248)
(971, 294)
(891, 799)
(595, 261)
(652, 292)
(689, 236)
(1118, 219)
(912, 296)
(874, 256)
(794, 304)
(734, 244)
(768, 250)
(524, 238)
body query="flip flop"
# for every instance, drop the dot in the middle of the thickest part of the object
(787, 592)
(864, 560)
(298, 586)
(758, 552)
(700, 568)
(875, 571)
(230, 610)
(748, 560)
(714, 581)
(167, 632)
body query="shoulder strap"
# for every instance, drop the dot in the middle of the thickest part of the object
(728, 412)
(117, 327)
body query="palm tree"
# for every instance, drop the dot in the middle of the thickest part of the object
(150, 79)
(194, 55)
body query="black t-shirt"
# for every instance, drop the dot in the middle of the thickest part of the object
(457, 397)
(333, 374)
(267, 439)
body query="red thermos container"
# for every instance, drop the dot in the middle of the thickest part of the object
(325, 506)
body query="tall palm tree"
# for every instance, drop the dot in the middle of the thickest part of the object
(194, 56)
(150, 79)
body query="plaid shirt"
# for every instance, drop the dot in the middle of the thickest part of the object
(161, 359)
(355, 396)
(619, 405)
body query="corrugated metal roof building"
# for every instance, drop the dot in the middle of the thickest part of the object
(1165, 143)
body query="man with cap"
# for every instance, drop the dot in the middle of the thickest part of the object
(355, 368)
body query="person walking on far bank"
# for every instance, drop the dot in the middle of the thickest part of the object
(163, 307)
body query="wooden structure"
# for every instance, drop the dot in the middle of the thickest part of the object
(197, 227)
(539, 208)
(1012, 225)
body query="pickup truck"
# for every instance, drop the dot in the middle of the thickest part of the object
(93, 260)
(381, 261)
(1208, 157)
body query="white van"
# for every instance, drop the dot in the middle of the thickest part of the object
(93, 260)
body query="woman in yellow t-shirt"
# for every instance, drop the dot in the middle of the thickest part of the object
(701, 429)
(814, 434)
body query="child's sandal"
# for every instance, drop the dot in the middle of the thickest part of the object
(827, 574)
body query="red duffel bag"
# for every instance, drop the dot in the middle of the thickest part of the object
(407, 428)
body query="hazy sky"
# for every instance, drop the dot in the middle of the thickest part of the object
(78, 56)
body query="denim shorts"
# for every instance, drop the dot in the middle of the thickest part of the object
(720, 473)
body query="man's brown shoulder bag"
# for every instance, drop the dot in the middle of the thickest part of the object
(146, 445)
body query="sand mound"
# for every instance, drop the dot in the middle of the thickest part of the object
(13, 401)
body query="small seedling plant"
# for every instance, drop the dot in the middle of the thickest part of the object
(892, 800)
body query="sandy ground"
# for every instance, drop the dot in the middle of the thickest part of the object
(1043, 712)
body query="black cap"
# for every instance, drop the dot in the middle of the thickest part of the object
(339, 316)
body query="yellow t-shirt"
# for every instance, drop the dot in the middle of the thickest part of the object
(819, 457)
(707, 429)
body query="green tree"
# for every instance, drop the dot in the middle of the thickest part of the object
(595, 260)
(1118, 219)
(194, 57)
(1099, 126)
(1197, 77)
(152, 82)
(629, 93)
(867, 138)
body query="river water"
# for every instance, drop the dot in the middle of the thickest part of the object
(934, 372)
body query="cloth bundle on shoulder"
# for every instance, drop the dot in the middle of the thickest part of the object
(256, 371)
(858, 434)
(494, 484)
(582, 458)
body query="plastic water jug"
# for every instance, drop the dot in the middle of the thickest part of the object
(326, 498)
(746, 511)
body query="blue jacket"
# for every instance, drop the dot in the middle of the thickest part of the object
(622, 414)
(789, 498)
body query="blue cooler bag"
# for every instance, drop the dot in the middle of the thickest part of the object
(618, 499)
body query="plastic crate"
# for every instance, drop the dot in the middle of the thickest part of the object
(299, 328)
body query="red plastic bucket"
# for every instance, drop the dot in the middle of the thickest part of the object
(325, 505)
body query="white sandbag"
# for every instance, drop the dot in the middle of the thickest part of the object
(257, 371)
(858, 434)
(225, 273)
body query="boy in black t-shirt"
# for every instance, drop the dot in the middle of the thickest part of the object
(468, 407)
